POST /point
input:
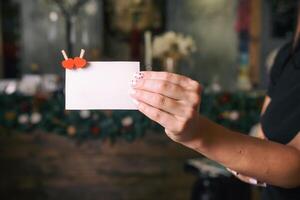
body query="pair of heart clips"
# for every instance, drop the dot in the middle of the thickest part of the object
(77, 62)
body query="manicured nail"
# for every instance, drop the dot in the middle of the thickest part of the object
(138, 75)
(133, 82)
(233, 172)
(253, 181)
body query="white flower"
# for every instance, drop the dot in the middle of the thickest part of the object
(165, 44)
(91, 7)
(23, 119)
(186, 45)
(170, 37)
(234, 115)
(127, 121)
(161, 46)
(84, 114)
(35, 118)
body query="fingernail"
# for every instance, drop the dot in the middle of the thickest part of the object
(138, 75)
(233, 172)
(253, 181)
(133, 82)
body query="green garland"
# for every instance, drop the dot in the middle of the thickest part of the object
(24, 114)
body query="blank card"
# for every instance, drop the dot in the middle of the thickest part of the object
(100, 86)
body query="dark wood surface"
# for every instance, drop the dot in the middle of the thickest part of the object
(49, 166)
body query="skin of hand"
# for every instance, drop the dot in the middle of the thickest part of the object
(171, 100)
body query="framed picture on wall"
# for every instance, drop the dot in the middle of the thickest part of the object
(122, 16)
(125, 23)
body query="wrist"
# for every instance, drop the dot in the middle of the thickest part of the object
(197, 139)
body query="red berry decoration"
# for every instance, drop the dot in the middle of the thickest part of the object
(95, 130)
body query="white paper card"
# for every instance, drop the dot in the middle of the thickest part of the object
(101, 86)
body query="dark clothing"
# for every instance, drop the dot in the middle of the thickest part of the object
(281, 120)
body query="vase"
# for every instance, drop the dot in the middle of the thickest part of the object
(170, 64)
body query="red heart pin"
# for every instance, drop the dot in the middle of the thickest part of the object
(80, 62)
(68, 63)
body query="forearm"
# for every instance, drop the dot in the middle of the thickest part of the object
(173, 101)
(267, 161)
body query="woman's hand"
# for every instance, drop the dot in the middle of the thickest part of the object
(171, 100)
(247, 179)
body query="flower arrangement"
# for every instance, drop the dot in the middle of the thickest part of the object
(172, 47)
(172, 44)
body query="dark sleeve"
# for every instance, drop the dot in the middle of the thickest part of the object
(277, 69)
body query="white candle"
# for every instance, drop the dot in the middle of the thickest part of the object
(148, 50)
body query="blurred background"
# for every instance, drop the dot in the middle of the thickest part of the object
(49, 153)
